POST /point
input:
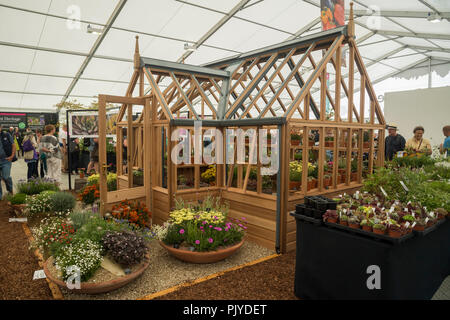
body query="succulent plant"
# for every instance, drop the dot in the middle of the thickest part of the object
(379, 226)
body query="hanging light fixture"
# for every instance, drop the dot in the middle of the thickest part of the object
(91, 29)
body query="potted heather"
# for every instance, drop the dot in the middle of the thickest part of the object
(366, 140)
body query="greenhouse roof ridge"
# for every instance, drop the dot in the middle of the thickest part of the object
(280, 46)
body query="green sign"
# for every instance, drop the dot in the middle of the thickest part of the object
(22, 125)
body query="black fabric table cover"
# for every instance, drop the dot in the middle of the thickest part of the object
(332, 264)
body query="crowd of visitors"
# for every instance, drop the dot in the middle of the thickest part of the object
(46, 153)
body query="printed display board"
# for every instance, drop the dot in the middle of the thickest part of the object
(85, 124)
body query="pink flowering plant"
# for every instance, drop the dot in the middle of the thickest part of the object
(203, 227)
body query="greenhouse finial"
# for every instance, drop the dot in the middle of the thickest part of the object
(137, 56)
(351, 22)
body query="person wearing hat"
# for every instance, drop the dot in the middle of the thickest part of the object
(418, 143)
(394, 142)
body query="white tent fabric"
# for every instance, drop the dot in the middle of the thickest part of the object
(45, 44)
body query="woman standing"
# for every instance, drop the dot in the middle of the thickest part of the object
(418, 143)
(30, 154)
(50, 147)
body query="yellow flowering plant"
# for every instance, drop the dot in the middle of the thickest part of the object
(210, 174)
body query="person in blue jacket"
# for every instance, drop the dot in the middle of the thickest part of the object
(445, 147)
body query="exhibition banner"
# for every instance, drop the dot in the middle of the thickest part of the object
(85, 124)
(332, 14)
(10, 119)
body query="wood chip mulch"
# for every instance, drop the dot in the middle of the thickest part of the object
(269, 280)
(17, 262)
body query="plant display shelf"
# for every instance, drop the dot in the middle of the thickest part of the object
(368, 234)
(429, 229)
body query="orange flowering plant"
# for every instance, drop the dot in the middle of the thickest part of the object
(135, 213)
(89, 194)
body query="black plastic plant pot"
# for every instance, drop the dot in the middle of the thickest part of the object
(308, 211)
(331, 205)
(321, 205)
(300, 208)
(308, 201)
(317, 214)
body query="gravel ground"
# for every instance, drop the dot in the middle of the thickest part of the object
(165, 272)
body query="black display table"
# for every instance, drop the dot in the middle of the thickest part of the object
(332, 264)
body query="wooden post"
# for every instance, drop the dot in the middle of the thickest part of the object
(337, 97)
(349, 156)
(360, 154)
(321, 159)
(102, 152)
(130, 148)
(335, 157)
(371, 151)
(148, 144)
(305, 160)
(362, 95)
(351, 76)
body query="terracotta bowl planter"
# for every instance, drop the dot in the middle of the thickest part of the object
(102, 287)
(202, 257)
(295, 142)
(379, 231)
(367, 228)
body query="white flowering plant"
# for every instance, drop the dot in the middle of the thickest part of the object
(85, 255)
(39, 203)
(52, 233)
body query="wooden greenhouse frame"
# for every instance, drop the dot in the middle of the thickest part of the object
(270, 88)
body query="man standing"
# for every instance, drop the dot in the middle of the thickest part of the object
(394, 142)
(62, 135)
(7, 152)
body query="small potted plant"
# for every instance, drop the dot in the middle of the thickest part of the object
(353, 222)
(366, 225)
(81, 173)
(366, 140)
(343, 219)
(330, 216)
(354, 174)
(379, 228)
(295, 139)
(420, 224)
(311, 139)
(327, 180)
(395, 230)
(295, 175)
(329, 142)
(312, 183)
(441, 213)
(138, 177)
